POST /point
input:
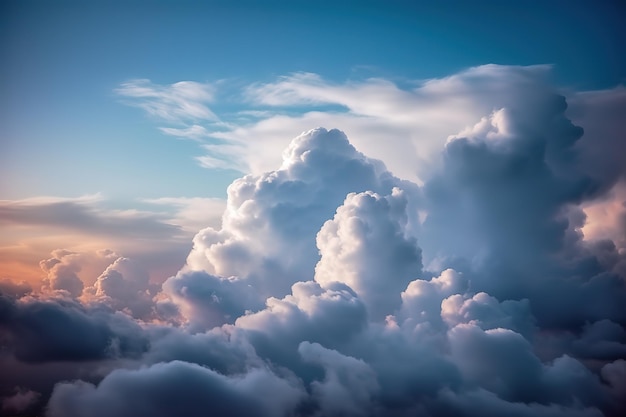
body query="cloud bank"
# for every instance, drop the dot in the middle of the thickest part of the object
(333, 287)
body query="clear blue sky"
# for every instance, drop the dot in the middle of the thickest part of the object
(65, 132)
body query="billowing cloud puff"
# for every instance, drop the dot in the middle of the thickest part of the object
(125, 285)
(207, 300)
(61, 272)
(486, 312)
(177, 388)
(365, 246)
(311, 313)
(349, 384)
(421, 300)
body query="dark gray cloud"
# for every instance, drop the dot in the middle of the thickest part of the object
(177, 388)
(64, 330)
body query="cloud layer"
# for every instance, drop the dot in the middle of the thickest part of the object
(334, 288)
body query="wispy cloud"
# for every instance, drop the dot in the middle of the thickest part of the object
(180, 102)
(194, 132)
(405, 125)
(34, 227)
(83, 215)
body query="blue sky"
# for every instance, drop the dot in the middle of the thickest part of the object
(64, 131)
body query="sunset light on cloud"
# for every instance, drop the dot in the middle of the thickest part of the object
(298, 208)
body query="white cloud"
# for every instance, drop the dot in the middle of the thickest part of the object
(179, 102)
(404, 127)
(365, 247)
(194, 132)
(281, 211)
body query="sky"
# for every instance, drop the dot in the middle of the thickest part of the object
(313, 208)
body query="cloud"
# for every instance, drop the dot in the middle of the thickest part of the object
(511, 190)
(20, 401)
(14, 289)
(281, 212)
(125, 286)
(365, 247)
(193, 213)
(499, 360)
(177, 388)
(81, 214)
(326, 315)
(602, 147)
(65, 330)
(404, 126)
(605, 218)
(61, 270)
(178, 102)
(333, 287)
(159, 240)
(207, 300)
(194, 132)
(349, 384)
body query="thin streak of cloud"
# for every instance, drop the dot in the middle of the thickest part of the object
(178, 102)
(83, 215)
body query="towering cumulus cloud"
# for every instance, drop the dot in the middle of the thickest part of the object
(334, 288)
(267, 240)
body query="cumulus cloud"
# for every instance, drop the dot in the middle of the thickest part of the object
(125, 285)
(365, 247)
(61, 272)
(177, 388)
(349, 384)
(332, 287)
(280, 212)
